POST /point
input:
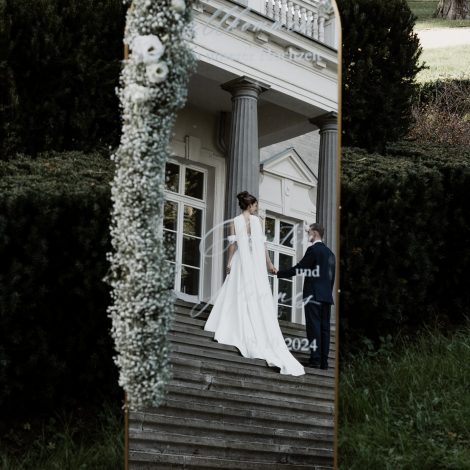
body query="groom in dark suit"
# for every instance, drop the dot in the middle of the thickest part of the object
(318, 265)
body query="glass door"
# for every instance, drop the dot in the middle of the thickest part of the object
(184, 222)
(281, 238)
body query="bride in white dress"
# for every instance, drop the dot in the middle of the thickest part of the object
(244, 313)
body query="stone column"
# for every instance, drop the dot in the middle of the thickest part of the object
(328, 187)
(243, 151)
(328, 165)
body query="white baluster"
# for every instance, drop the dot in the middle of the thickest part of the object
(315, 25)
(283, 11)
(269, 8)
(321, 29)
(296, 17)
(277, 13)
(303, 20)
(289, 15)
(309, 23)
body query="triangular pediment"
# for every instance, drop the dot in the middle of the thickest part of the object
(289, 164)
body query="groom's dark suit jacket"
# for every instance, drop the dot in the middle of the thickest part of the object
(320, 288)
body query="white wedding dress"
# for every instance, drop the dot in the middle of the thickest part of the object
(244, 312)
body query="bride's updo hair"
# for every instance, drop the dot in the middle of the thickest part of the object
(245, 199)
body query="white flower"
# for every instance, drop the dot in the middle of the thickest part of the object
(178, 5)
(156, 73)
(137, 93)
(147, 48)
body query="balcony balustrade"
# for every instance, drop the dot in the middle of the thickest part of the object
(313, 18)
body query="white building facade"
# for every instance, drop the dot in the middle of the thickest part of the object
(267, 80)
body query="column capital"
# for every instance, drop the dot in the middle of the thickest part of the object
(245, 86)
(326, 122)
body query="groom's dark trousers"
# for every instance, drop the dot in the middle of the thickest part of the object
(318, 265)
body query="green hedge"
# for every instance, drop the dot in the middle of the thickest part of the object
(55, 346)
(405, 237)
(404, 254)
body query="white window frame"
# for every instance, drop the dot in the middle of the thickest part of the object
(182, 200)
(276, 247)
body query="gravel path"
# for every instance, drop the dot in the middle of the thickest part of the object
(444, 37)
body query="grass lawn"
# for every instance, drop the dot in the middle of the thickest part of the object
(445, 62)
(407, 406)
(78, 440)
(424, 9)
(449, 62)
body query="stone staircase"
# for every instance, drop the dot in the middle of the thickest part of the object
(225, 411)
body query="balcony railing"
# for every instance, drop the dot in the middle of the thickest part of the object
(313, 18)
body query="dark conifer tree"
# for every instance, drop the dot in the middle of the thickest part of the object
(380, 62)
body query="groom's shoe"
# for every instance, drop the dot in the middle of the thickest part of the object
(313, 365)
(316, 365)
(307, 364)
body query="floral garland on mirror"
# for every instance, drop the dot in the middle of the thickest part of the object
(153, 86)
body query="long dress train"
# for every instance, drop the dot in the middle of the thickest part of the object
(244, 312)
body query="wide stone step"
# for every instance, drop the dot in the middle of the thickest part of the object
(297, 336)
(225, 411)
(178, 335)
(164, 461)
(241, 414)
(199, 332)
(157, 442)
(242, 384)
(191, 392)
(180, 348)
(189, 327)
(263, 375)
(219, 427)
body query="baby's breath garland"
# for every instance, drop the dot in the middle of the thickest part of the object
(153, 86)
